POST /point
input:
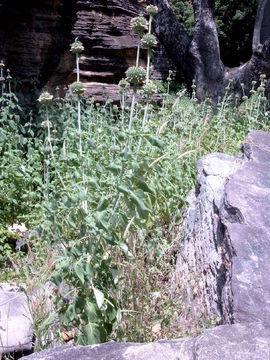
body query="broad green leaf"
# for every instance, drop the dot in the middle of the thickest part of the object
(91, 313)
(99, 297)
(101, 220)
(115, 169)
(103, 204)
(93, 334)
(79, 272)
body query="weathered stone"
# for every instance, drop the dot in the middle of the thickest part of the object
(15, 321)
(222, 271)
(229, 342)
(34, 43)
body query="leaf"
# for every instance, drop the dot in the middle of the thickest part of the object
(122, 189)
(143, 186)
(142, 209)
(90, 311)
(101, 220)
(99, 297)
(123, 246)
(115, 169)
(79, 272)
(103, 204)
(94, 334)
(155, 142)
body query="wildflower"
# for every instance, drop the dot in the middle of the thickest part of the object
(149, 89)
(139, 25)
(9, 77)
(136, 75)
(77, 88)
(77, 47)
(45, 98)
(124, 84)
(2, 65)
(151, 10)
(45, 123)
(169, 78)
(149, 41)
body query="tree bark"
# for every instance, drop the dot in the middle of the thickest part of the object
(174, 37)
(199, 58)
(209, 69)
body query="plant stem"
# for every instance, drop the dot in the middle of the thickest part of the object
(77, 67)
(138, 51)
(51, 148)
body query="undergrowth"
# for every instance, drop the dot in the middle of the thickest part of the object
(102, 187)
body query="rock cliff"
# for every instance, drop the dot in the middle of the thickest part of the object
(35, 38)
(222, 269)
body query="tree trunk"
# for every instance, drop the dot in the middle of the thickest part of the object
(209, 70)
(174, 37)
(199, 58)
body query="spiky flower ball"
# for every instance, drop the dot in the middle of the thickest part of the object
(45, 124)
(135, 75)
(149, 89)
(124, 85)
(78, 88)
(151, 10)
(77, 47)
(9, 77)
(148, 41)
(45, 98)
(139, 25)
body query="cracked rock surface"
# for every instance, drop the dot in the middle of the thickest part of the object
(222, 271)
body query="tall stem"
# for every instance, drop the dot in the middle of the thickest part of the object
(138, 51)
(51, 148)
(77, 67)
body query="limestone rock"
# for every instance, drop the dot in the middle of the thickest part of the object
(228, 342)
(34, 43)
(222, 272)
(15, 321)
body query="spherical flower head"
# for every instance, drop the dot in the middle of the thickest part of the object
(2, 65)
(139, 25)
(45, 98)
(148, 41)
(78, 88)
(135, 75)
(9, 77)
(45, 124)
(124, 85)
(149, 89)
(77, 47)
(151, 10)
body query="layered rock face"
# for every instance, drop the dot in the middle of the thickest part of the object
(35, 38)
(222, 271)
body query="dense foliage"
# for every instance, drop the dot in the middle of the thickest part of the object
(100, 188)
(235, 22)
